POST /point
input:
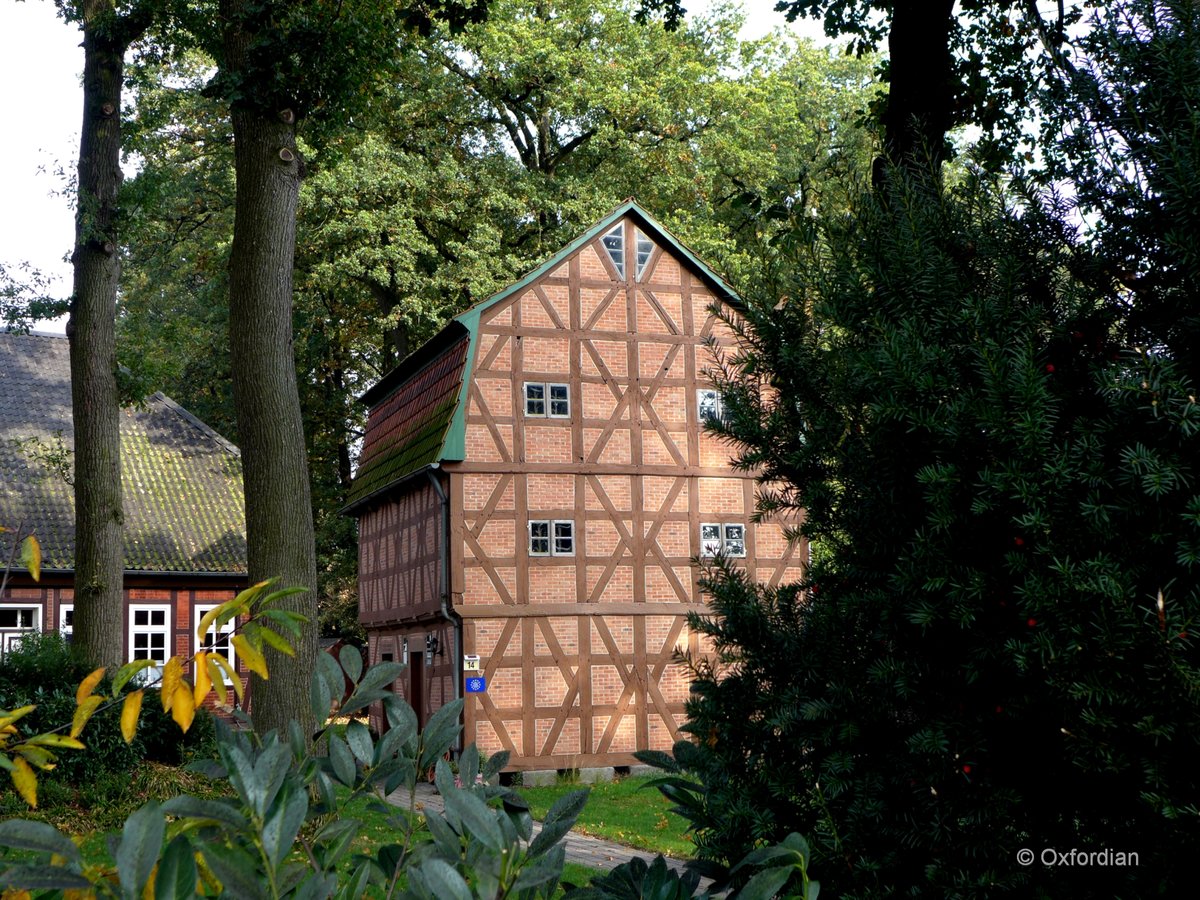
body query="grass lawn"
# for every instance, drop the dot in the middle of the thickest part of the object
(623, 811)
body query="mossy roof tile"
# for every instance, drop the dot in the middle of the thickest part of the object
(181, 481)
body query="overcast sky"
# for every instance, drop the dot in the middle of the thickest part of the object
(40, 61)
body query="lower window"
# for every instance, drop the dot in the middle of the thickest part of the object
(150, 638)
(216, 640)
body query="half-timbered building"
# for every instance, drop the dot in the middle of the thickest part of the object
(533, 490)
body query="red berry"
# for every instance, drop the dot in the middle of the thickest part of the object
(1019, 541)
(1031, 622)
(1183, 634)
(1050, 367)
(999, 709)
(966, 769)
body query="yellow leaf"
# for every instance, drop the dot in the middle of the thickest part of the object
(214, 676)
(250, 656)
(31, 557)
(226, 611)
(14, 894)
(25, 781)
(37, 756)
(88, 685)
(203, 679)
(171, 677)
(130, 710)
(183, 709)
(230, 675)
(13, 715)
(83, 712)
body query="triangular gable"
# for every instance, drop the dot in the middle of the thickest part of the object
(443, 436)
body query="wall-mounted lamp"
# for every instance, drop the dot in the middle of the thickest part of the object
(432, 646)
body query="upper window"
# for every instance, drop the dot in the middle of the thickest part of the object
(728, 539)
(644, 248)
(216, 640)
(614, 243)
(552, 538)
(552, 400)
(711, 405)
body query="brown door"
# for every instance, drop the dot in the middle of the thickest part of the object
(416, 686)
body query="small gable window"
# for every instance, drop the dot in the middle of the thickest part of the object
(552, 400)
(614, 243)
(645, 247)
(552, 538)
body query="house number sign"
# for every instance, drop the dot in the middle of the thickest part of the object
(470, 663)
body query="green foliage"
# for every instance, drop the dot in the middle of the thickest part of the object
(286, 831)
(994, 649)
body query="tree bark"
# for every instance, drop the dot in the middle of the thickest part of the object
(921, 86)
(99, 518)
(279, 522)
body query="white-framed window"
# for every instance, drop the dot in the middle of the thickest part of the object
(710, 405)
(553, 400)
(150, 637)
(614, 243)
(66, 620)
(552, 537)
(215, 640)
(16, 621)
(645, 247)
(728, 539)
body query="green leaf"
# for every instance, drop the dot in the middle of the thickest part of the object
(477, 819)
(766, 884)
(278, 641)
(39, 837)
(141, 842)
(319, 698)
(559, 819)
(235, 870)
(351, 659)
(176, 876)
(331, 674)
(441, 880)
(547, 869)
(439, 734)
(358, 736)
(269, 773)
(341, 761)
(205, 812)
(42, 878)
(283, 824)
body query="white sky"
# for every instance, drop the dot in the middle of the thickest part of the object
(41, 61)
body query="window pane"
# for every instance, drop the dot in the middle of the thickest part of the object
(564, 538)
(710, 539)
(539, 538)
(141, 617)
(535, 399)
(735, 540)
(8, 618)
(710, 405)
(614, 243)
(644, 248)
(560, 400)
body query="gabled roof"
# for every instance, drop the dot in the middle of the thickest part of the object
(181, 481)
(397, 452)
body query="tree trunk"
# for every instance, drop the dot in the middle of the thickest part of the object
(99, 520)
(279, 523)
(921, 88)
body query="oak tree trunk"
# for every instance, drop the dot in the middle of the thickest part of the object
(279, 523)
(99, 555)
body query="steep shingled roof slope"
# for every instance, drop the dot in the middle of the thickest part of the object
(182, 482)
(410, 415)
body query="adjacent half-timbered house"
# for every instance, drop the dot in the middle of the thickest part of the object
(533, 489)
(181, 483)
